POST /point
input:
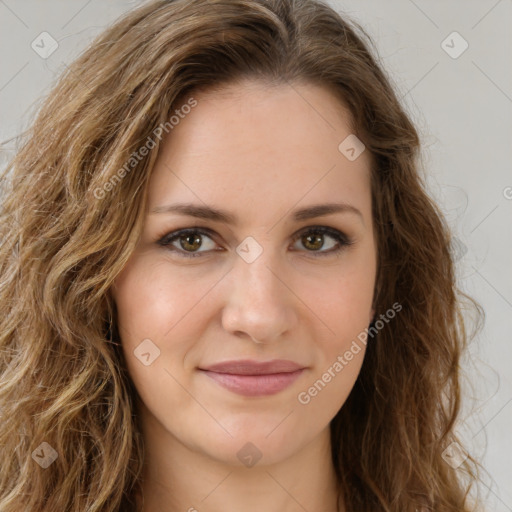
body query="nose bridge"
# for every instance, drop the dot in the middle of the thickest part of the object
(255, 275)
(258, 302)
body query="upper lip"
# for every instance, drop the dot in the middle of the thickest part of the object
(250, 367)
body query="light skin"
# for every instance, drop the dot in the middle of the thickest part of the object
(259, 152)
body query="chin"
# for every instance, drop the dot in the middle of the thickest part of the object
(254, 445)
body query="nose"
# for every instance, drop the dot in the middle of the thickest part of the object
(260, 305)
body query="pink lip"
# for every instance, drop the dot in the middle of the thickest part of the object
(252, 378)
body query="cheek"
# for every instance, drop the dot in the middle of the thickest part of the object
(152, 306)
(345, 308)
(324, 395)
(343, 303)
(150, 300)
(165, 306)
(346, 312)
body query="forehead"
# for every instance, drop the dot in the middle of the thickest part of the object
(256, 142)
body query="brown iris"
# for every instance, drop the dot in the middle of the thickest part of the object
(313, 239)
(194, 241)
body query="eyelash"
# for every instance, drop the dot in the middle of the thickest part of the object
(342, 239)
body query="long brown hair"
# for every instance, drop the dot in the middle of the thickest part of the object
(66, 235)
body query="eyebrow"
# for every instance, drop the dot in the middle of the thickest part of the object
(218, 215)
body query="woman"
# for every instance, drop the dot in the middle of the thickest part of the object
(224, 285)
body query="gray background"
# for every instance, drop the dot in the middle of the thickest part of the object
(462, 108)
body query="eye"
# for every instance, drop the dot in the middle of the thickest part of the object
(313, 239)
(187, 242)
(189, 239)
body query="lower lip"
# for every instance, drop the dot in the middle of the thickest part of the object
(254, 385)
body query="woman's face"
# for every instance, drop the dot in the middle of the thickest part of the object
(260, 283)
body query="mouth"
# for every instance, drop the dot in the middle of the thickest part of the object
(252, 378)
